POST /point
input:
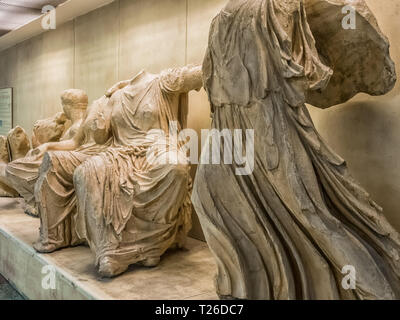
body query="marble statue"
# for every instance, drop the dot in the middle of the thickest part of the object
(75, 103)
(4, 152)
(290, 228)
(18, 142)
(109, 186)
(22, 174)
(5, 189)
(13, 147)
(49, 130)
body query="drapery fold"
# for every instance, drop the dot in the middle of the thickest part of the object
(287, 230)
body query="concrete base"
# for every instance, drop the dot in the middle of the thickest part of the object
(7, 292)
(182, 275)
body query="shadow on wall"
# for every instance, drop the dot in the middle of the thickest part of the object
(367, 135)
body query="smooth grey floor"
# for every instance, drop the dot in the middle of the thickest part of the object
(7, 292)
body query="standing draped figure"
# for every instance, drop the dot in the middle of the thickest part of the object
(287, 230)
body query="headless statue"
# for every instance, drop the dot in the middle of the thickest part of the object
(110, 186)
(288, 227)
(23, 173)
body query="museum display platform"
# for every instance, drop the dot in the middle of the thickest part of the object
(186, 274)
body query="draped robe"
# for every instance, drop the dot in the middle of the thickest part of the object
(133, 199)
(126, 190)
(287, 230)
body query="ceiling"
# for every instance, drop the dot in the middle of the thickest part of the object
(16, 13)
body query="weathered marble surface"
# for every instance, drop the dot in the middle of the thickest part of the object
(75, 103)
(18, 142)
(110, 185)
(360, 59)
(22, 174)
(287, 230)
(5, 190)
(182, 274)
(49, 130)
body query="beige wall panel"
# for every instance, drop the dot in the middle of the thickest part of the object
(57, 68)
(153, 35)
(97, 38)
(366, 130)
(44, 68)
(8, 66)
(29, 83)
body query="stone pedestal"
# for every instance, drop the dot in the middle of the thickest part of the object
(182, 275)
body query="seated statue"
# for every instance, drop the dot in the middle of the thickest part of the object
(107, 192)
(5, 189)
(15, 146)
(49, 130)
(23, 173)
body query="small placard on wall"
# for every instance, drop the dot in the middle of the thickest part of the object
(6, 106)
